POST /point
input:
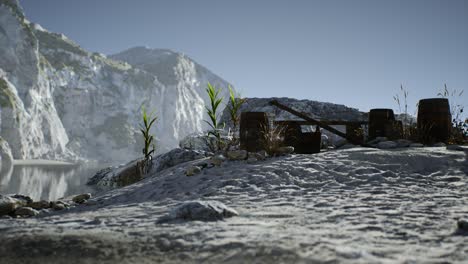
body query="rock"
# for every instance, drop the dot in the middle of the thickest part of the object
(192, 171)
(217, 160)
(81, 198)
(403, 143)
(455, 147)
(387, 145)
(237, 154)
(462, 224)
(439, 144)
(43, 204)
(416, 145)
(285, 150)
(26, 211)
(9, 205)
(340, 143)
(112, 177)
(251, 159)
(24, 198)
(199, 210)
(261, 155)
(58, 206)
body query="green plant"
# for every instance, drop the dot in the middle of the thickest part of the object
(459, 131)
(398, 100)
(234, 107)
(149, 145)
(215, 125)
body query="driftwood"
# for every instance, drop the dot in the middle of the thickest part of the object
(315, 122)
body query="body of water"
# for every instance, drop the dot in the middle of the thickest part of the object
(47, 181)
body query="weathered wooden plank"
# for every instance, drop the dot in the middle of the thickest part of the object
(313, 121)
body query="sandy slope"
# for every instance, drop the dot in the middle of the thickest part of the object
(351, 206)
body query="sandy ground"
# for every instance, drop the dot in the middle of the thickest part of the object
(351, 206)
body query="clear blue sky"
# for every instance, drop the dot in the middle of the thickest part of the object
(349, 52)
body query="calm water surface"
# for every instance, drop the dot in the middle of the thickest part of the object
(48, 182)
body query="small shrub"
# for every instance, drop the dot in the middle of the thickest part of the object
(215, 125)
(149, 145)
(459, 131)
(272, 138)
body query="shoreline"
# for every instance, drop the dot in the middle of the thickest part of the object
(42, 162)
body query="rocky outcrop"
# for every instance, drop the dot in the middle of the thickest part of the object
(59, 101)
(126, 174)
(6, 158)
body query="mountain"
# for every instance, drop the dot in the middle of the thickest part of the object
(59, 101)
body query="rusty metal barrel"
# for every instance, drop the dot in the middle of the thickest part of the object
(252, 127)
(434, 119)
(379, 119)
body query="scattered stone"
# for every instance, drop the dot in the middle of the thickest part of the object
(202, 165)
(26, 211)
(237, 155)
(261, 155)
(43, 204)
(387, 145)
(403, 143)
(217, 160)
(192, 171)
(81, 198)
(8, 205)
(463, 224)
(416, 145)
(251, 159)
(24, 198)
(455, 147)
(439, 144)
(199, 210)
(58, 206)
(285, 150)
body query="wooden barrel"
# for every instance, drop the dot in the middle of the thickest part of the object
(434, 120)
(309, 143)
(378, 120)
(252, 125)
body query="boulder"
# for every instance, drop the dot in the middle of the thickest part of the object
(387, 145)
(285, 150)
(59, 205)
(237, 154)
(261, 155)
(26, 211)
(439, 144)
(81, 198)
(403, 143)
(192, 171)
(217, 160)
(377, 140)
(23, 198)
(199, 211)
(347, 146)
(8, 205)
(114, 177)
(38, 205)
(416, 145)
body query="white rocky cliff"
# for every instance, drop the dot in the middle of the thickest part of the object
(59, 101)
